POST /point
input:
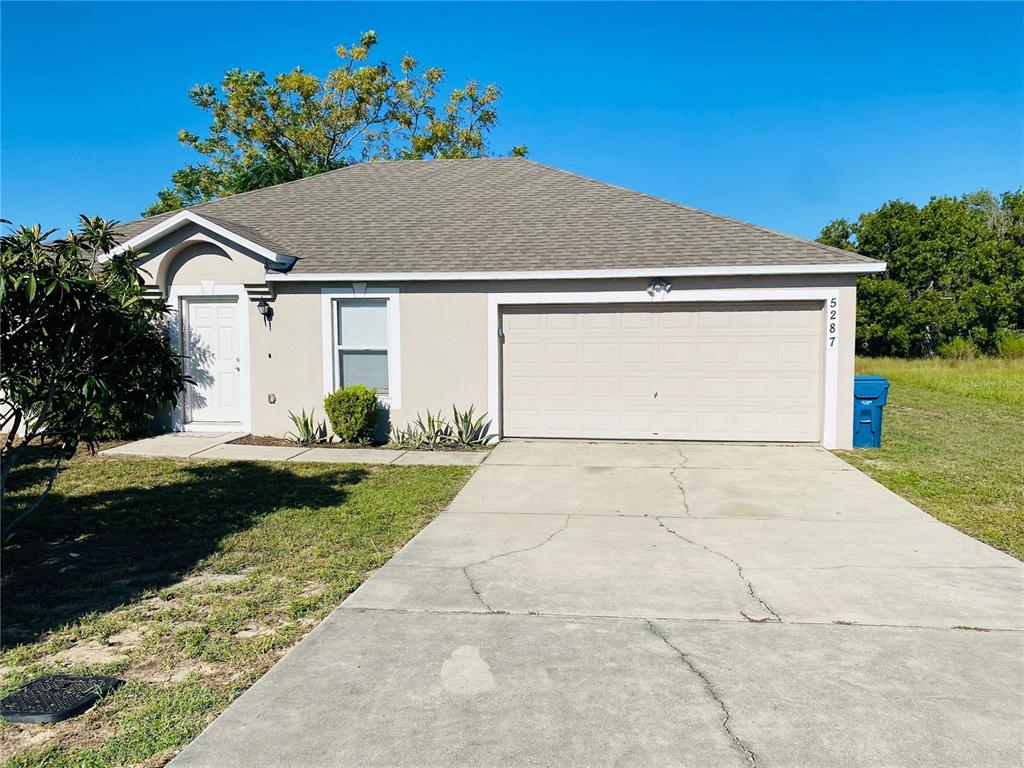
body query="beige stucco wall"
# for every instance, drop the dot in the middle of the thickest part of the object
(444, 343)
(287, 360)
(190, 254)
(444, 329)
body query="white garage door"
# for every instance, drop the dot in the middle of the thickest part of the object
(693, 372)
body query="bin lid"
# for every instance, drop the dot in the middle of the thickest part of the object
(871, 388)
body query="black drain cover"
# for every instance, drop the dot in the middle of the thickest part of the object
(54, 698)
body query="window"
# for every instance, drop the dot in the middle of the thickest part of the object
(361, 343)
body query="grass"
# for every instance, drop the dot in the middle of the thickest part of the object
(188, 580)
(953, 443)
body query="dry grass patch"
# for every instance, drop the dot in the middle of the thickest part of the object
(188, 580)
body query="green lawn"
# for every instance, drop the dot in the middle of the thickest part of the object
(188, 580)
(953, 443)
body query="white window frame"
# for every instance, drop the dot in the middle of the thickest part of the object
(329, 298)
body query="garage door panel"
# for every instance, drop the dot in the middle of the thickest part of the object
(792, 390)
(600, 422)
(755, 352)
(525, 352)
(674, 422)
(724, 372)
(711, 422)
(795, 422)
(757, 390)
(596, 354)
(603, 388)
(637, 353)
(811, 321)
(638, 388)
(562, 386)
(716, 389)
(637, 421)
(755, 422)
(714, 319)
(525, 386)
(522, 322)
(798, 353)
(561, 419)
(562, 322)
(561, 352)
(598, 321)
(637, 322)
(529, 421)
(716, 352)
(675, 320)
(757, 320)
(670, 388)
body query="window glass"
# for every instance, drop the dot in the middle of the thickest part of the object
(367, 368)
(363, 324)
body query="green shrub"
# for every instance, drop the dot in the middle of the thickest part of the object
(958, 349)
(1011, 346)
(352, 412)
(123, 423)
(307, 430)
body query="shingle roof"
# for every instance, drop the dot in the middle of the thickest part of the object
(247, 232)
(491, 214)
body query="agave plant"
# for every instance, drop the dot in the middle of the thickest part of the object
(469, 431)
(411, 437)
(307, 430)
(436, 431)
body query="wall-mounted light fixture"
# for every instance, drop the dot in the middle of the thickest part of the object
(659, 287)
(266, 311)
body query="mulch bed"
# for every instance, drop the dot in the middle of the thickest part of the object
(267, 440)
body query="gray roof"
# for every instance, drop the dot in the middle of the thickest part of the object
(249, 233)
(490, 214)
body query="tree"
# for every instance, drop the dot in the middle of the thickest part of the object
(955, 270)
(263, 133)
(82, 346)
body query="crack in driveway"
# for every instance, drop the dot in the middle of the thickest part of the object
(682, 490)
(476, 592)
(750, 757)
(683, 458)
(773, 616)
(469, 576)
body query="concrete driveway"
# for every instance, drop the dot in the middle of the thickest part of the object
(591, 604)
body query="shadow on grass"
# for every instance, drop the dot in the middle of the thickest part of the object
(112, 530)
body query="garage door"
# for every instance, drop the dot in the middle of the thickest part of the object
(699, 372)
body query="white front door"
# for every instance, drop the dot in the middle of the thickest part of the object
(213, 361)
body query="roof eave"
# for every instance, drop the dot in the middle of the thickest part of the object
(850, 268)
(180, 219)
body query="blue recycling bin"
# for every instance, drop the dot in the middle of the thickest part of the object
(869, 396)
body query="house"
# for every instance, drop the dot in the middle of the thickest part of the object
(560, 305)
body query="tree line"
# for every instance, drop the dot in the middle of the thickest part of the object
(955, 274)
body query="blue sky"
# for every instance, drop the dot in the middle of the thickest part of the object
(783, 115)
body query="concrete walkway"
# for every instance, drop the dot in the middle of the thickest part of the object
(606, 604)
(197, 445)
